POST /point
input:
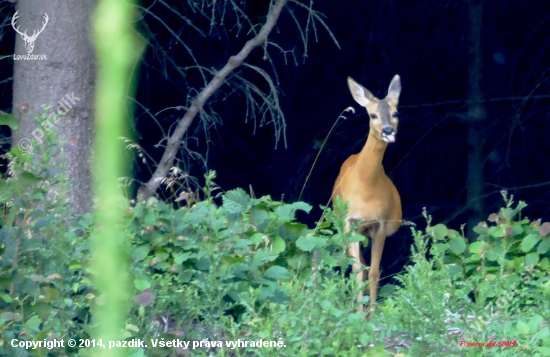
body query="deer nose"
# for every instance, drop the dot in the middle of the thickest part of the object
(387, 130)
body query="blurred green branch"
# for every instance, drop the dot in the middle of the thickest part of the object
(117, 51)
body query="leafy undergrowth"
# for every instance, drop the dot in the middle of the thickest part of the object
(494, 291)
(239, 276)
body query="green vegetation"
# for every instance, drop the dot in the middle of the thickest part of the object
(495, 289)
(231, 267)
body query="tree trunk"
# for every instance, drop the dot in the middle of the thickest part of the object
(476, 117)
(64, 80)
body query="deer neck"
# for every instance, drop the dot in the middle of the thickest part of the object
(370, 159)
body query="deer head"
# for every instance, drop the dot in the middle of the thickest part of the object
(29, 40)
(382, 112)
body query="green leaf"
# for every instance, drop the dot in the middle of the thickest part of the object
(478, 247)
(280, 297)
(199, 213)
(529, 242)
(475, 247)
(336, 312)
(499, 231)
(516, 229)
(257, 238)
(523, 327)
(292, 230)
(7, 191)
(308, 243)
(266, 292)
(521, 205)
(458, 245)
(9, 120)
(185, 276)
(236, 201)
(149, 219)
(181, 257)
(356, 237)
(203, 263)
(454, 270)
(511, 281)
(161, 256)
(365, 339)
(43, 309)
(278, 245)
(495, 254)
(297, 261)
(544, 246)
(355, 317)
(534, 323)
(532, 259)
(138, 210)
(10, 316)
(162, 266)
(242, 243)
(140, 253)
(51, 293)
(330, 261)
(302, 206)
(141, 284)
(28, 178)
(259, 217)
(43, 222)
(33, 323)
(507, 212)
(387, 290)
(480, 230)
(286, 212)
(441, 247)
(544, 351)
(451, 233)
(263, 256)
(234, 295)
(277, 272)
(439, 231)
(543, 334)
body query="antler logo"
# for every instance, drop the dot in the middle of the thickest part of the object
(29, 40)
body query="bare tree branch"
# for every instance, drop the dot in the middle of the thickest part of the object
(150, 187)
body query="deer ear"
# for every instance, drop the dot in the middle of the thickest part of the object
(361, 95)
(395, 89)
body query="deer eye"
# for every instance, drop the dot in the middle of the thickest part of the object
(395, 115)
(373, 116)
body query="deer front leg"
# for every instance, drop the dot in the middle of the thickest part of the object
(354, 251)
(374, 273)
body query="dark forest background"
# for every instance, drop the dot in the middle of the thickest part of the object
(428, 43)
